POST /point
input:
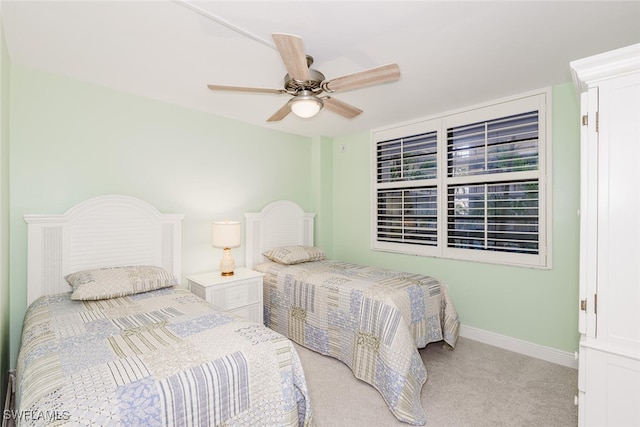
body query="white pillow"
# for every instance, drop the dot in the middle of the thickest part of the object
(113, 282)
(294, 254)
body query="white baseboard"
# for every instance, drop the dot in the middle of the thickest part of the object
(520, 346)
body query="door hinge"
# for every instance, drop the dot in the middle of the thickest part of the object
(595, 303)
(585, 121)
(583, 305)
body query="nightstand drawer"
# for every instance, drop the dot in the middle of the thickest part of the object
(238, 294)
(250, 312)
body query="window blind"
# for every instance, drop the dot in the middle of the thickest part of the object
(408, 216)
(492, 216)
(508, 144)
(498, 217)
(406, 159)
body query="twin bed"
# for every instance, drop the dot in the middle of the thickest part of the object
(372, 319)
(129, 345)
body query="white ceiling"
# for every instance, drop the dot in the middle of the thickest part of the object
(451, 54)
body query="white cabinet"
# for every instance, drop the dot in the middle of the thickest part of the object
(240, 294)
(609, 354)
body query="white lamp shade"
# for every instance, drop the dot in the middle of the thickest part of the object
(225, 234)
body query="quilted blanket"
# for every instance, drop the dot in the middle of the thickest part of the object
(372, 319)
(159, 358)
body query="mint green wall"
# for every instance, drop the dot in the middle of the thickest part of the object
(323, 192)
(4, 214)
(539, 306)
(70, 141)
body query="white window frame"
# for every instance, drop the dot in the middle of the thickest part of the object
(537, 100)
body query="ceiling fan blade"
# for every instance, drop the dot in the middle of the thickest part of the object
(245, 89)
(383, 74)
(342, 108)
(280, 114)
(291, 50)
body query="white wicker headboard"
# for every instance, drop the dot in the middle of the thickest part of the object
(279, 223)
(104, 231)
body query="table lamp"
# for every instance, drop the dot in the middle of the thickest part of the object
(226, 235)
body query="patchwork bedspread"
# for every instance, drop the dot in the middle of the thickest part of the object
(372, 319)
(160, 358)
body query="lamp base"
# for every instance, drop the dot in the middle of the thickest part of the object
(227, 263)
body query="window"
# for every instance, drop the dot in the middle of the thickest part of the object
(407, 214)
(467, 185)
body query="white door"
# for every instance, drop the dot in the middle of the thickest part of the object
(618, 262)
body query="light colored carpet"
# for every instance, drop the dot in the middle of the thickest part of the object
(474, 385)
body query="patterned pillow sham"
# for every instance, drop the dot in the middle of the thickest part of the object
(294, 254)
(113, 282)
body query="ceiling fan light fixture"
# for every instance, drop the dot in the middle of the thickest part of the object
(305, 104)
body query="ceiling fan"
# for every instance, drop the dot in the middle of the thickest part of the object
(306, 84)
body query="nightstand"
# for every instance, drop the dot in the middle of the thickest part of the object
(240, 294)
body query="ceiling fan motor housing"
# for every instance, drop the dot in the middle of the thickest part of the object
(313, 84)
